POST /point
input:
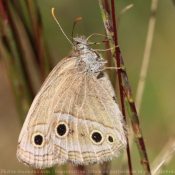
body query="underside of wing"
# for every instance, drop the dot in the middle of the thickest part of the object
(86, 110)
(73, 118)
(35, 148)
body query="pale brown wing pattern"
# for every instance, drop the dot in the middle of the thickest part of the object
(74, 117)
(38, 118)
(77, 117)
(87, 107)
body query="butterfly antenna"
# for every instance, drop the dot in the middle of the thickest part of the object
(60, 26)
(95, 34)
(78, 19)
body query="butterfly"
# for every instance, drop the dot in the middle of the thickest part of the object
(74, 117)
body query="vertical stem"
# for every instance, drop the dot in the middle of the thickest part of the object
(117, 57)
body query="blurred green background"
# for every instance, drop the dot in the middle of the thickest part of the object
(157, 113)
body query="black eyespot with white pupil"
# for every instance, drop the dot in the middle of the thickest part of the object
(62, 129)
(110, 138)
(96, 137)
(38, 139)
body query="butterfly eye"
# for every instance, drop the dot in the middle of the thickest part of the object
(62, 129)
(110, 138)
(80, 46)
(96, 137)
(38, 140)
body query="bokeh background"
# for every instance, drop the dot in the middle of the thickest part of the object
(157, 112)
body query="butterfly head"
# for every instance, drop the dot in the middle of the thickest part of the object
(80, 43)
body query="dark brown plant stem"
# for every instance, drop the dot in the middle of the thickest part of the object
(39, 172)
(80, 170)
(127, 93)
(15, 57)
(37, 32)
(20, 50)
(126, 89)
(2, 12)
(105, 168)
(117, 57)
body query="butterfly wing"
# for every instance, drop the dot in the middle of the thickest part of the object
(35, 146)
(90, 120)
(74, 117)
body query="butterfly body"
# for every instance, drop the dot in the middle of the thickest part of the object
(74, 117)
